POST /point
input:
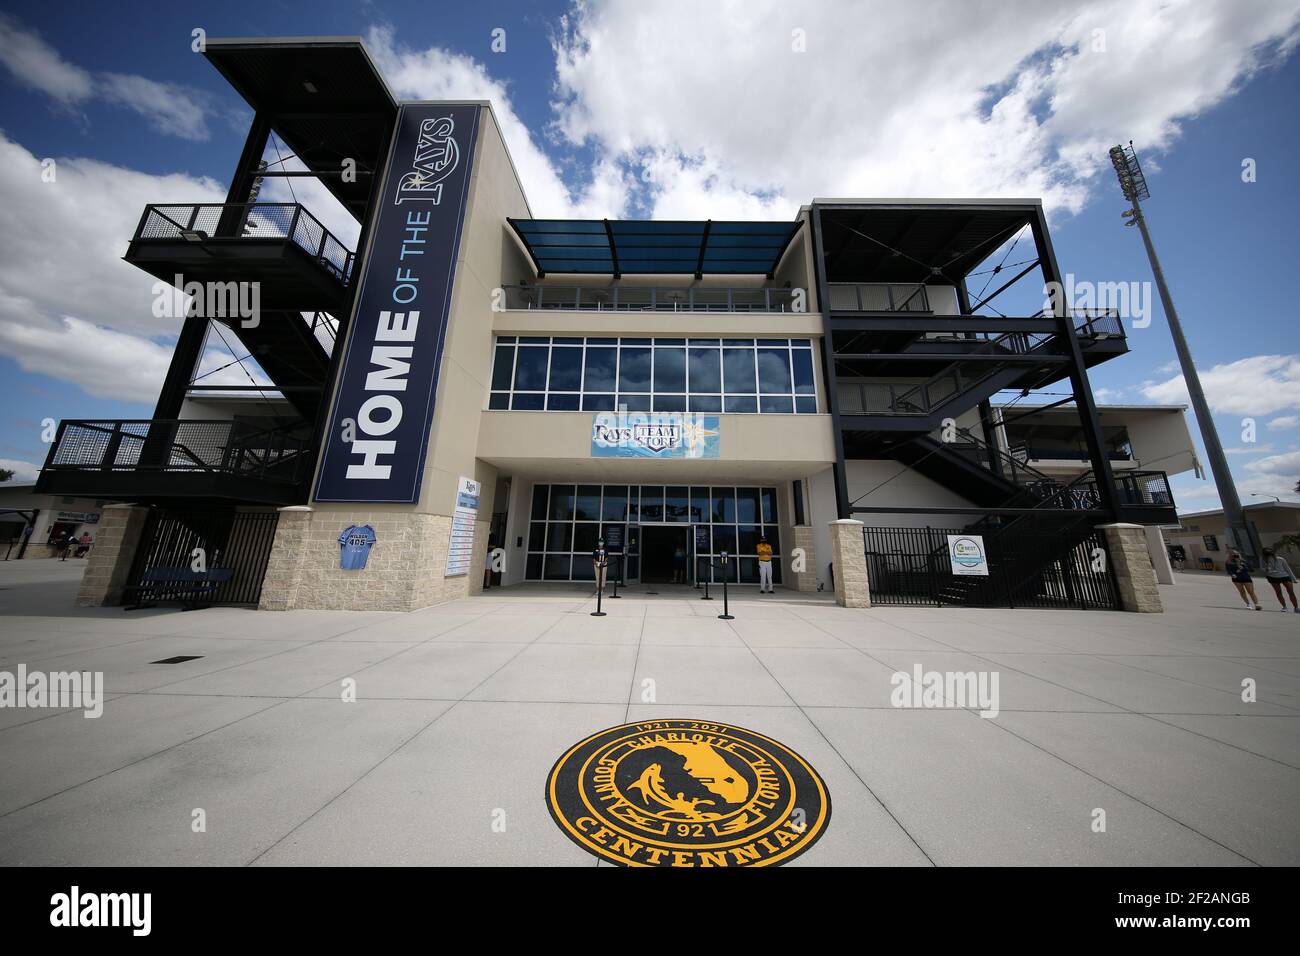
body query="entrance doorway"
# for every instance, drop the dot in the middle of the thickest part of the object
(660, 563)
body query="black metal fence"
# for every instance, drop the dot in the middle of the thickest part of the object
(260, 220)
(229, 541)
(616, 298)
(213, 446)
(1040, 566)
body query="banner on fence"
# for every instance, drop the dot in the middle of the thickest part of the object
(966, 554)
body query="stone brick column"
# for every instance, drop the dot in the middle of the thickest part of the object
(849, 554)
(805, 580)
(1129, 559)
(284, 566)
(109, 561)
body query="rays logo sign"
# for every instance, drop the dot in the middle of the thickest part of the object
(687, 793)
(654, 435)
(436, 156)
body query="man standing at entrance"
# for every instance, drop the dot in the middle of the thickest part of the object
(600, 561)
(764, 566)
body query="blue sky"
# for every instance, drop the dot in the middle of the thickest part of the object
(700, 110)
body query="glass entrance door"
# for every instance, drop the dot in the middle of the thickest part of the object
(632, 555)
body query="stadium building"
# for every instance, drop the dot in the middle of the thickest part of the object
(473, 384)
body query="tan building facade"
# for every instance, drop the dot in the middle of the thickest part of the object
(476, 396)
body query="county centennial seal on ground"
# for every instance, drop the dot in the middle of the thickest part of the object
(687, 793)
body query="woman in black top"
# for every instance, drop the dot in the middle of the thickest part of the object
(1239, 571)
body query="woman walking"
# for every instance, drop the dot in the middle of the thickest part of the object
(1279, 574)
(1239, 570)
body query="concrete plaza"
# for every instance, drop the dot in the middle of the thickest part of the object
(462, 709)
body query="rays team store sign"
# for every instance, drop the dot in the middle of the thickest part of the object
(655, 435)
(383, 404)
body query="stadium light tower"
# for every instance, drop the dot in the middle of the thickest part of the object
(1133, 184)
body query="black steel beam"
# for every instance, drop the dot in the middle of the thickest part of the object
(1006, 285)
(704, 244)
(613, 249)
(1011, 359)
(863, 509)
(828, 374)
(289, 174)
(241, 183)
(893, 322)
(185, 362)
(1084, 399)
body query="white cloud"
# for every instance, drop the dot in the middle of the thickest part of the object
(23, 470)
(1284, 464)
(1283, 421)
(36, 64)
(435, 74)
(1257, 385)
(967, 99)
(101, 361)
(171, 109)
(69, 306)
(1275, 475)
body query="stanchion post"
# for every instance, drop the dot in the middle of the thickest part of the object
(726, 614)
(614, 596)
(708, 565)
(601, 565)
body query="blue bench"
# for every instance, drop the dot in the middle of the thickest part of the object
(183, 584)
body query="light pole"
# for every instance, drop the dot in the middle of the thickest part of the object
(1133, 184)
(1256, 494)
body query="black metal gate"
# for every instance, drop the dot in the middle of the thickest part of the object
(1037, 567)
(235, 541)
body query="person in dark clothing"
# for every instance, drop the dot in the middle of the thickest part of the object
(1239, 571)
(63, 544)
(679, 565)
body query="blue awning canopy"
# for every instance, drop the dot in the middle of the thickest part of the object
(648, 246)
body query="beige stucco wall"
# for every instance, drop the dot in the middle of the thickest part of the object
(408, 560)
(898, 486)
(1270, 521)
(405, 569)
(487, 253)
(770, 446)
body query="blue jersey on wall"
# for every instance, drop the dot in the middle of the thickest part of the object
(355, 543)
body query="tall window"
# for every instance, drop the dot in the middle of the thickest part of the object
(567, 520)
(573, 373)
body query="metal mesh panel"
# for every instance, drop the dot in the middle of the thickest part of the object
(250, 221)
(874, 298)
(842, 297)
(180, 446)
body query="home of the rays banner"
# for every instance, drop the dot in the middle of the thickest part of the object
(383, 405)
(655, 435)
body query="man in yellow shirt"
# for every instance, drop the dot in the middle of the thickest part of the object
(764, 566)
